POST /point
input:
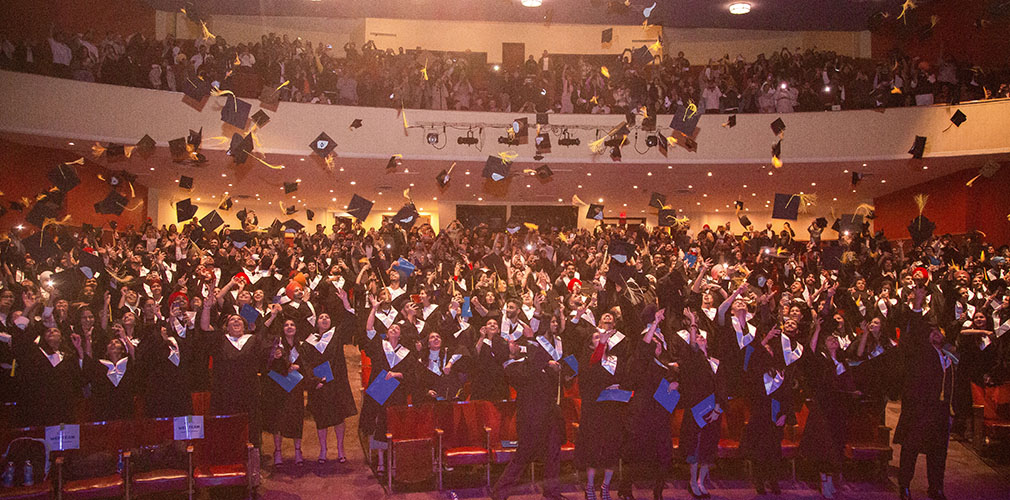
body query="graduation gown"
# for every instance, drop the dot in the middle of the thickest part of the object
(49, 393)
(283, 411)
(601, 424)
(539, 421)
(333, 402)
(925, 400)
(385, 358)
(700, 377)
(830, 386)
(234, 379)
(431, 375)
(767, 381)
(113, 387)
(648, 423)
(163, 360)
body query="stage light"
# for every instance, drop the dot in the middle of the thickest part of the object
(739, 8)
(432, 138)
(469, 140)
(511, 141)
(651, 141)
(567, 140)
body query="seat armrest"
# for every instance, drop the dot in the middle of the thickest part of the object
(883, 435)
(977, 425)
(487, 439)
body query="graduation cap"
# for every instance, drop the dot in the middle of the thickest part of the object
(521, 129)
(184, 210)
(836, 226)
(662, 143)
(738, 204)
(629, 118)
(495, 168)
(359, 207)
(260, 118)
(744, 220)
(290, 187)
(543, 143)
(777, 154)
(595, 212)
(786, 206)
(685, 119)
(821, 222)
(270, 96)
(178, 149)
(275, 228)
(64, 177)
(195, 138)
(185, 182)
(856, 177)
(649, 123)
(238, 238)
(17, 206)
(293, 225)
(226, 204)
(406, 216)
(850, 223)
(290, 210)
(615, 153)
(921, 229)
(621, 251)
(958, 118)
(657, 200)
(667, 217)
(607, 36)
(196, 88)
(43, 209)
(442, 178)
(918, 147)
(115, 151)
(730, 122)
(778, 126)
(211, 221)
(543, 119)
(113, 204)
(68, 282)
(356, 123)
(323, 145)
(91, 262)
(642, 56)
(309, 214)
(240, 148)
(543, 172)
(145, 146)
(513, 225)
(236, 112)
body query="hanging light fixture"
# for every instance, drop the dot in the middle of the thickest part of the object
(532, 3)
(739, 8)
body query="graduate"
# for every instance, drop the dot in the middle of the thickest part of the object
(284, 410)
(330, 400)
(114, 379)
(389, 356)
(50, 377)
(168, 355)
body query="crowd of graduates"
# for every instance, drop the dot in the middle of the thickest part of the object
(113, 324)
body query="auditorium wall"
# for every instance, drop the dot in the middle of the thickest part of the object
(955, 33)
(30, 166)
(33, 19)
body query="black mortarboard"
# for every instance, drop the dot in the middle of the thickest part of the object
(731, 121)
(787, 206)
(91, 261)
(642, 56)
(293, 225)
(64, 176)
(918, 147)
(226, 204)
(629, 118)
(275, 228)
(686, 120)
(495, 168)
(738, 204)
(211, 221)
(667, 217)
(856, 177)
(114, 203)
(649, 123)
(851, 223)
(240, 148)
(196, 88)
(921, 229)
(744, 220)
(662, 143)
(42, 210)
(778, 126)
(290, 187)
(260, 118)
(394, 162)
(359, 207)
(836, 226)
(595, 212)
(68, 283)
(621, 251)
(236, 112)
(238, 238)
(323, 145)
(777, 153)
(195, 138)
(442, 178)
(185, 182)
(958, 118)
(521, 129)
(291, 210)
(270, 97)
(544, 172)
(543, 119)
(178, 150)
(115, 151)
(17, 206)
(657, 200)
(543, 143)
(241, 215)
(406, 216)
(615, 153)
(821, 222)
(145, 146)
(356, 123)
(184, 210)
(309, 214)
(607, 36)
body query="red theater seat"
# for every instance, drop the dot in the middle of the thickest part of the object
(95, 462)
(224, 457)
(410, 430)
(464, 438)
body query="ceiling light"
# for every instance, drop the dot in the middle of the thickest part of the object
(434, 198)
(531, 3)
(70, 144)
(333, 199)
(649, 174)
(601, 200)
(739, 8)
(479, 198)
(710, 174)
(353, 183)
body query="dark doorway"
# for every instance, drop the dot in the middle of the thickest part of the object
(513, 55)
(473, 215)
(548, 217)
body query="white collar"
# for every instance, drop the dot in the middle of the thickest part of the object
(772, 383)
(115, 370)
(320, 341)
(394, 356)
(238, 342)
(428, 310)
(614, 339)
(714, 363)
(54, 358)
(790, 354)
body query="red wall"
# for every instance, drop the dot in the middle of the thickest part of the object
(954, 34)
(25, 173)
(32, 19)
(954, 207)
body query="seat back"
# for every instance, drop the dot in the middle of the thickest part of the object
(101, 444)
(734, 419)
(224, 441)
(995, 401)
(410, 421)
(502, 421)
(676, 419)
(463, 422)
(22, 444)
(864, 424)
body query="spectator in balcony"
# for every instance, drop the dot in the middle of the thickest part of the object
(711, 97)
(61, 55)
(786, 97)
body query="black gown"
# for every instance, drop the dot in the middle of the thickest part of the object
(373, 415)
(831, 401)
(167, 399)
(333, 402)
(925, 402)
(235, 386)
(49, 392)
(762, 439)
(111, 401)
(597, 443)
(283, 411)
(648, 423)
(698, 380)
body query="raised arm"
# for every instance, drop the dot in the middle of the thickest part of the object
(696, 287)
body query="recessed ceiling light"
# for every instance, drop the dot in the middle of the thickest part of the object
(705, 195)
(698, 203)
(224, 175)
(649, 174)
(467, 185)
(198, 199)
(580, 186)
(353, 183)
(634, 187)
(745, 186)
(883, 181)
(152, 169)
(739, 8)
(589, 174)
(333, 199)
(527, 185)
(301, 159)
(434, 198)
(625, 204)
(864, 164)
(669, 167)
(70, 144)
(753, 194)
(229, 184)
(601, 200)
(467, 172)
(813, 183)
(925, 167)
(834, 199)
(480, 198)
(690, 186)
(710, 174)
(845, 171)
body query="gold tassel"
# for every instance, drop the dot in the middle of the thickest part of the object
(508, 156)
(48, 221)
(655, 47)
(207, 35)
(907, 6)
(329, 161)
(264, 162)
(140, 203)
(98, 150)
(531, 226)
(577, 201)
(920, 201)
(404, 115)
(691, 110)
(973, 179)
(79, 161)
(594, 100)
(864, 209)
(128, 150)
(597, 146)
(133, 193)
(805, 200)
(776, 162)
(406, 195)
(604, 71)
(424, 70)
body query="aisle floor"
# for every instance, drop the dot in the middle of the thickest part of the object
(968, 477)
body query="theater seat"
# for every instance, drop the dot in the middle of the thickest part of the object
(464, 438)
(95, 487)
(158, 481)
(34, 492)
(213, 476)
